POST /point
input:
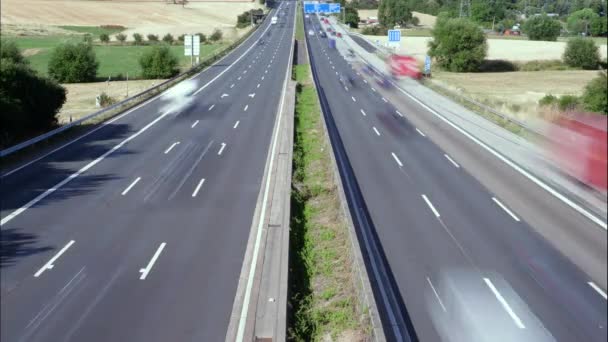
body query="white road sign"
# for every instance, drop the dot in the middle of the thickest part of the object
(192, 45)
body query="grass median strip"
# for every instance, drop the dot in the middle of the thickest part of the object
(322, 299)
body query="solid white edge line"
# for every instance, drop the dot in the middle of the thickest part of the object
(505, 209)
(50, 264)
(236, 124)
(131, 186)
(194, 124)
(436, 294)
(428, 202)
(375, 130)
(171, 147)
(504, 304)
(198, 187)
(516, 167)
(219, 153)
(363, 112)
(451, 161)
(49, 191)
(252, 269)
(396, 159)
(144, 271)
(420, 132)
(598, 289)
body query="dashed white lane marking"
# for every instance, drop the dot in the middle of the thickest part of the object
(505, 209)
(239, 78)
(373, 89)
(420, 132)
(365, 81)
(266, 71)
(223, 95)
(194, 124)
(597, 289)
(50, 264)
(198, 187)
(131, 186)
(354, 100)
(252, 95)
(398, 112)
(375, 130)
(245, 109)
(171, 147)
(258, 85)
(428, 202)
(451, 161)
(144, 271)
(397, 159)
(263, 77)
(236, 124)
(232, 85)
(436, 294)
(219, 153)
(363, 112)
(504, 304)
(383, 99)
(211, 107)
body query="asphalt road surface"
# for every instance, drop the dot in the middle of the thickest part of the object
(465, 256)
(137, 231)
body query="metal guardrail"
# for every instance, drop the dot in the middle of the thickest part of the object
(134, 100)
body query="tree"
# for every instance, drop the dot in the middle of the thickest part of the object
(152, 38)
(351, 16)
(579, 21)
(216, 35)
(168, 38)
(394, 12)
(72, 63)
(121, 37)
(582, 53)
(542, 28)
(202, 37)
(158, 62)
(598, 26)
(595, 97)
(28, 103)
(138, 38)
(488, 11)
(458, 45)
(87, 38)
(104, 38)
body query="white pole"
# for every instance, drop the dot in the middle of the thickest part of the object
(191, 50)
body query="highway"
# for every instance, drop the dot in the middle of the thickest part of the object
(137, 230)
(457, 253)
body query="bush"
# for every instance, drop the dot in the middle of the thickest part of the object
(542, 28)
(10, 51)
(152, 38)
(598, 26)
(547, 100)
(376, 30)
(582, 53)
(595, 97)
(181, 37)
(458, 45)
(158, 63)
(87, 38)
(568, 103)
(216, 35)
(106, 100)
(104, 38)
(168, 38)
(580, 21)
(415, 21)
(203, 37)
(71, 63)
(138, 38)
(243, 19)
(28, 103)
(121, 37)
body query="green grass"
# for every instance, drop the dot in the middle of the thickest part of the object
(322, 294)
(114, 60)
(299, 24)
(95, 31)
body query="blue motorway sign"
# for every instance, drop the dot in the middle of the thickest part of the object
(334, 8)
(316, 7)
(394, 35)
(427, 65)
(310, 7)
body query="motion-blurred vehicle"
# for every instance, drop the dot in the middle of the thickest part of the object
(404, 66)
(322, 34)
(274, 20)
(311, 33)
(578, 144)
(339, 34)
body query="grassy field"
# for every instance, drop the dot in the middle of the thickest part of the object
(322, 293)
(114, 60)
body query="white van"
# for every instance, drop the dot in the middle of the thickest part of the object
(274, 20)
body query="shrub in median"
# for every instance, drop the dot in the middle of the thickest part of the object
(582, 53)
(376, 30)
(595, 97)
(72, 63)
(542, 28)
(458, 45)
(158, 62)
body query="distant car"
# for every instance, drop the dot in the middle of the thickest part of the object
(322, 34)
(311, 33)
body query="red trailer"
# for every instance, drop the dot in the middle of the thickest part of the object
(402, 65)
